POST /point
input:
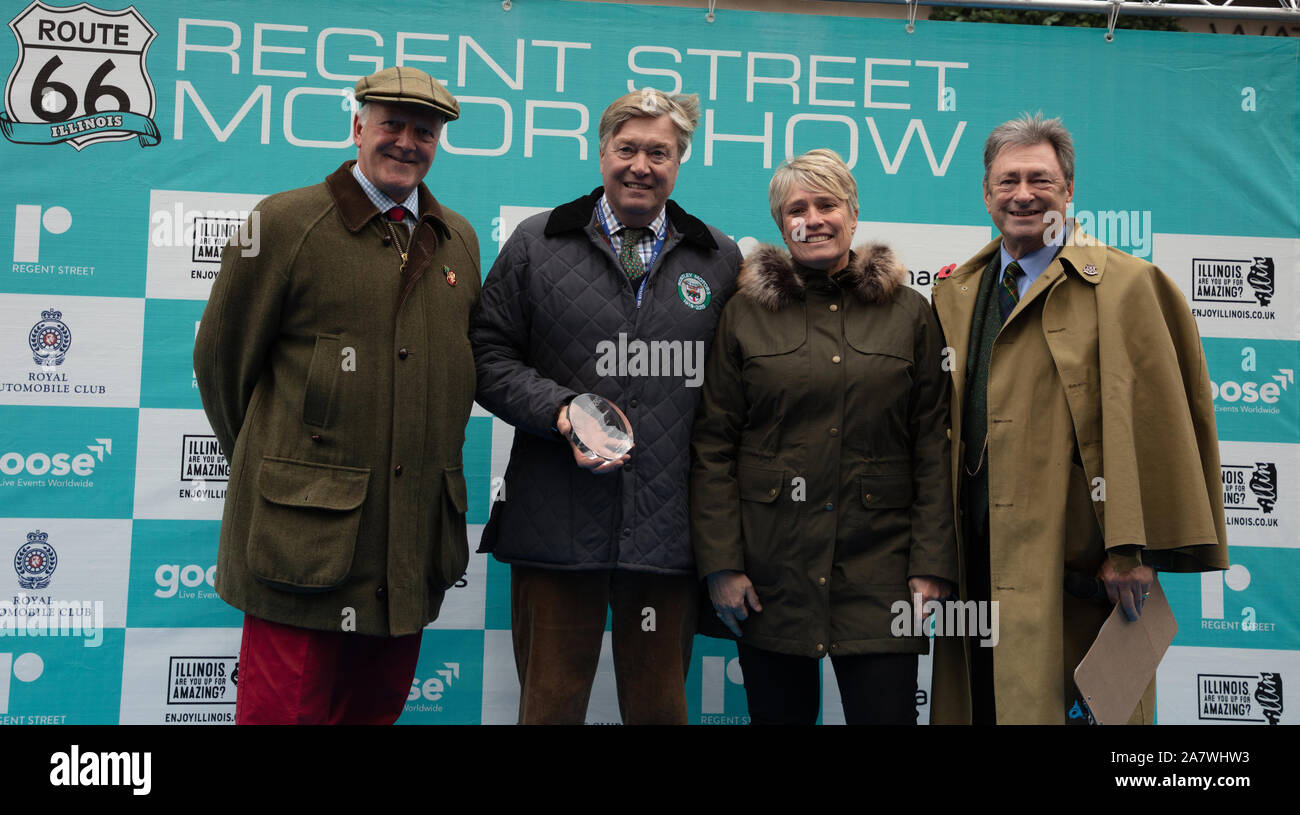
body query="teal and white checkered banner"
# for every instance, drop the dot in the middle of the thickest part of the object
(136, 140)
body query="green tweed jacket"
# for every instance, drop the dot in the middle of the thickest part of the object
(338, 381)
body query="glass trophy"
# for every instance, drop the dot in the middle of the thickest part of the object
(598, 428)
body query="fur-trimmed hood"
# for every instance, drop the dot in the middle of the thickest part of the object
(771, 279)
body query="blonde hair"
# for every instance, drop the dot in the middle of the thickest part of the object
(819, 170)
(648, 103)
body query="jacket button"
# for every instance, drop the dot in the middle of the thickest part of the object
(315, 437)
(397, 470)
(381, 593)
(835, 646)
(627, 531)
(387, 240)
(867, 498)
(835, 431)
(402, 353)
(829, 506)
(834, 307)
(820, 647)
(949, 434)
(836, 359)
(821, 581)
(632, 403)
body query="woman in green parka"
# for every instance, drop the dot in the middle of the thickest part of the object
(822, 513)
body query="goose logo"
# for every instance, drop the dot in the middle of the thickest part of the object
(81, 464)
(1248, 392)
(80, 77)
(35, 561)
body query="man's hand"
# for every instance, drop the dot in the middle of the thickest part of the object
(730, 591)
(596, 464)
(924, 588)
(1129, 589)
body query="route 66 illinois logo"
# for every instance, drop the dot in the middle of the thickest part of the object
(80, 77)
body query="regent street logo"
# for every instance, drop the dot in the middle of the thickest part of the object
(80, 77)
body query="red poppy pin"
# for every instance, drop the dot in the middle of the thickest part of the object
(946, 271)
(450, 275)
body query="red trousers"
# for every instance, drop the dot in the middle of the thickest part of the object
(291, 675)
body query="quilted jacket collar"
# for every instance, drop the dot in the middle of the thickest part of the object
(771, 278)
(576, 214)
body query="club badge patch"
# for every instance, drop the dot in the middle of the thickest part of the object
(694, 291)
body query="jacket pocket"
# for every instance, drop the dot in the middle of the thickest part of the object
(886, 491)
(322, 381)
(304, 526)
(873, 332)
(453, 546)
(763, 524)
(759, 484)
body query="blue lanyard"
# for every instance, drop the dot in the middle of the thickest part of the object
(654, 252)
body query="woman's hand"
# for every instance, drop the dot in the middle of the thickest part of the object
(924, 588)
(730, 591)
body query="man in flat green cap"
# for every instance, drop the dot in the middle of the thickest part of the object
(335, 368)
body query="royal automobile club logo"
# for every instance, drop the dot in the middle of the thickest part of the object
(49, 342)
(1218, 280)
(80, 77)
(50, 339)
(1252, 490)
(1239, 697)
(694, 291)
(35, 561)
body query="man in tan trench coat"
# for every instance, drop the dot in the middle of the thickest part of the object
(335, 369)
(1084, 439)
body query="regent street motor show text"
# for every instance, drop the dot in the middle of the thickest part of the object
(877, 109)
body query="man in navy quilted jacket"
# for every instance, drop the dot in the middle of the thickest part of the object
(616, 293)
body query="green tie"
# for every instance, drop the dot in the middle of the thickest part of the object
(1009, 291)
(628, 256)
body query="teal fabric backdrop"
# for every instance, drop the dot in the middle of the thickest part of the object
(136, 141)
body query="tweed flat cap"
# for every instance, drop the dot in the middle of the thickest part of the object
(404, 85)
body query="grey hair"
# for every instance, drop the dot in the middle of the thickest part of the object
(819, 170)
(1027, 131)
(648, 103)
(363, 113)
